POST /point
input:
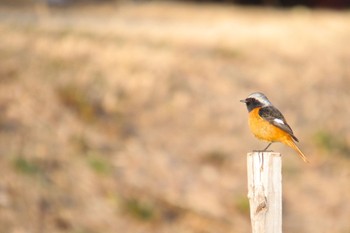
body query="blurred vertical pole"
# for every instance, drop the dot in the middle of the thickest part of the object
(265, 191)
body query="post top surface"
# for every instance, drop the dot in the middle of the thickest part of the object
(271, 153)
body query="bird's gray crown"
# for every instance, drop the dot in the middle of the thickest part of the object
(261, 98)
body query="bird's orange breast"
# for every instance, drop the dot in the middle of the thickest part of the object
(264, 130)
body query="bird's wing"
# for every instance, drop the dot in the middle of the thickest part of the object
(275, 117)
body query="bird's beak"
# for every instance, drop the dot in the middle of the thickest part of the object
(243, 101)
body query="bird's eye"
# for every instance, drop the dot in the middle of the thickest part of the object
(249, 101)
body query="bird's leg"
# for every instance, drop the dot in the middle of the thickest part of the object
(267, 146)
(264, 150)
(262, 156)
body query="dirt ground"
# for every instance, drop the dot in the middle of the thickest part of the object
(126, 118)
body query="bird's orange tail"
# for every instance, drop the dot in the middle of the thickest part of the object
(291, 144)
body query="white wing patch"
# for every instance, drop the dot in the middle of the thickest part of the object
(279, 121)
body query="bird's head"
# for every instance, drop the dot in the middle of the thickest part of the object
(255, 100)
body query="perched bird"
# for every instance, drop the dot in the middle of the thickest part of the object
(267, 123)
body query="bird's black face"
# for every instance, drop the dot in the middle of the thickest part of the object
(252, 103)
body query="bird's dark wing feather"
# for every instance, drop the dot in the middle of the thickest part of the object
(270, 113)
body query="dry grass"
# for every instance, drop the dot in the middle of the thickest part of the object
(126, 118)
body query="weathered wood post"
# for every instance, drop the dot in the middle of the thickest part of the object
(265, 191)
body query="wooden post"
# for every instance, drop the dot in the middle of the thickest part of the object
(265, 191)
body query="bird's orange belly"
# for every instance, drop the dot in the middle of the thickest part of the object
(264, 130)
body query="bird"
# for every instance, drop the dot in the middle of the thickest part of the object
(267, 123)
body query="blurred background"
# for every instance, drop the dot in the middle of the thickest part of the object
(124, 116)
